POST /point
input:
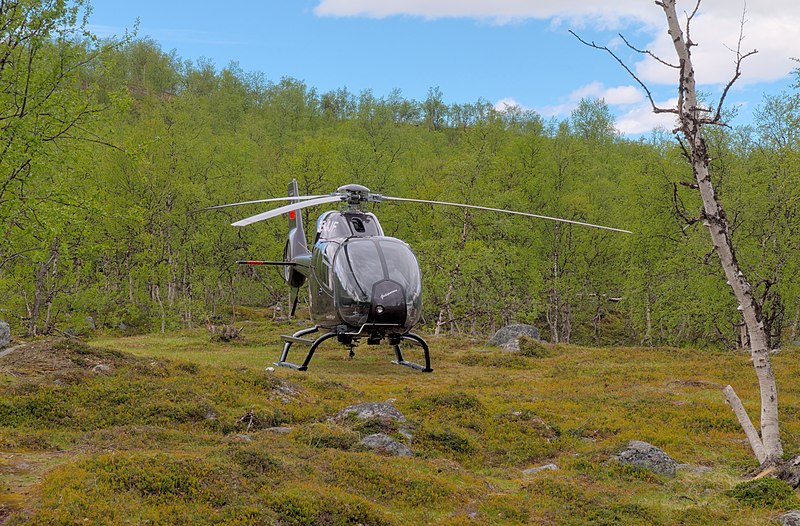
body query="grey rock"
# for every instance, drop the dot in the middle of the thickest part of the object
(368, 410)
(241, 438)
(647, 456)
(381, 411)
(5, 334)
(511, 345)
(512, 332)
(122, 326)
(790, 518)
(90, 321)
(537, 469)
(102, 368)
(386, 445)
(790, 472)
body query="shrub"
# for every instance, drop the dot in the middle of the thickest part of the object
(303, 506)
(533, 348)
(764, 493)
(449, 440)
(327, 436)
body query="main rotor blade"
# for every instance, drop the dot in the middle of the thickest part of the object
(286, 209)
(505, 212)
(266, 201)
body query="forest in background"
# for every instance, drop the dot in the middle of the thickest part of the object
(110, 152)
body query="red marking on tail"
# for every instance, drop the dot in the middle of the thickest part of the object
(292, 215)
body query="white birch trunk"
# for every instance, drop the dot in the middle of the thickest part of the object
(715, 219)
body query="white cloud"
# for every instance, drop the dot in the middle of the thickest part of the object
(641, 119)
(507, 103)
(634, 113)
(605, 13)
(771, 27)
(622, 95)
(616, 96)
(773, 34)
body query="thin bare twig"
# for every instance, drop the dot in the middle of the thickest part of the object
(656, 109)
(738, 72)
(647, 52)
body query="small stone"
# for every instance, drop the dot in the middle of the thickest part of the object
(383, 412)
(102, 368)
(91, 323)
(369, 410)
(241, 438)
(386, 445)
(122, 326)
(537, 469)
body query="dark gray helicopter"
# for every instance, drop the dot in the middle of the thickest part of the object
(361, 283)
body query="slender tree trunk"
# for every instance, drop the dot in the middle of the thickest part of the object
(692, 118)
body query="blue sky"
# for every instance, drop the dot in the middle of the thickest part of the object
(504, 51)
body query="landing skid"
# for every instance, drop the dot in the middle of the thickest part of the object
(350, 339)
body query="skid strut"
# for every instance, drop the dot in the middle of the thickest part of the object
(349, 338)
(416, 340)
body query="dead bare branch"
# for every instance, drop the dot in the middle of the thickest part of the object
(656, 109)
(738, 71)
(648, 53)
(689, 17)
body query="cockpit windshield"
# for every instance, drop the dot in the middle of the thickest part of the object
(361, 263)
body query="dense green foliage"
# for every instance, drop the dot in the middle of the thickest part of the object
(113, 149)
(181, 430)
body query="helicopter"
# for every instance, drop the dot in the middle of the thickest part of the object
(361, 283)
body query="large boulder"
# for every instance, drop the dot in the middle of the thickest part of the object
(790, 518)
(647, 456)
(5, 334)
(513, 332)
(386, 445)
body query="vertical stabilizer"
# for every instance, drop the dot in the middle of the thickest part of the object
(297, 236)
(296, 250)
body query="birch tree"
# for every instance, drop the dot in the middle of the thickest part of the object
(692, 118)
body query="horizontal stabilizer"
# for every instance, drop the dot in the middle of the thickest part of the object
(281, 263)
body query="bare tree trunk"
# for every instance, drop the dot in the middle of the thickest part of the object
(156, 293)
(744, 421)
(554, 307)
(692, 118)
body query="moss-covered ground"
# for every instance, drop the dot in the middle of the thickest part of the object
(181, 430)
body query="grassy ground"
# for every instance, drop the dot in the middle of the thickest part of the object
(180, 431)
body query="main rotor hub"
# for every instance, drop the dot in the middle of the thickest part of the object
(356, 194)
(353, 188)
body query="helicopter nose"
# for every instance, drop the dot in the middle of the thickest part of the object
(388, 303)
